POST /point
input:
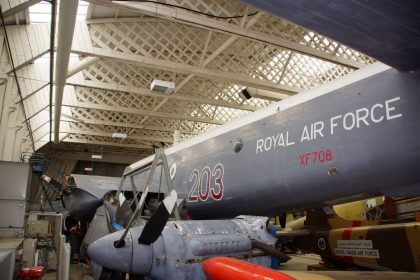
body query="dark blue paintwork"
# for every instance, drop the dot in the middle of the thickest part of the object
(388, 30)
(370, 159)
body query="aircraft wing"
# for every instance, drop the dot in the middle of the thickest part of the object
(83, 201)
(387, 30)
(99, 185)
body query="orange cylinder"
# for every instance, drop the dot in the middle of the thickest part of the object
(222, 268)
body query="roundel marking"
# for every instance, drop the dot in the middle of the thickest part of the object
(322, 244)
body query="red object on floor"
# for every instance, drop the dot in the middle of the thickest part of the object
(222, 268)
(35, 272)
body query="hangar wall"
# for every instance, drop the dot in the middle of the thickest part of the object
(14, 135)
(27, 43)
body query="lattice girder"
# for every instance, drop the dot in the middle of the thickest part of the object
(284, 29)
(152, 37)
(312, 72)
(114, 99)
(90, 98)
(180, 125)
(90, 115)
(276, 64)
(220, 91)
(125, 100)
(91, 147)
(141, 134)
(126, 74)
(109, 141)
(190, 18)
(235, 58)
(123, 122)
(141, 77)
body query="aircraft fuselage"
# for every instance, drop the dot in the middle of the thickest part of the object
(356, 136)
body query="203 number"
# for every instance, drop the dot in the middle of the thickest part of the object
(206, 184)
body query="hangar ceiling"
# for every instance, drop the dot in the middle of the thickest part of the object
(211, 49)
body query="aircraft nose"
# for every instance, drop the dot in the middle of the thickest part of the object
(104, 253)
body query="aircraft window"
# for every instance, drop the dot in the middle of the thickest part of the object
(158, 183)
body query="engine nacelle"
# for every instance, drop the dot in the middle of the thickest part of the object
(183, 246)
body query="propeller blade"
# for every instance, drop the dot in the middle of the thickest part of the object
(157, 222)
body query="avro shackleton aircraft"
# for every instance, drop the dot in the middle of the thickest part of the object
(357, 136)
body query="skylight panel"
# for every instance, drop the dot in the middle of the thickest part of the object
(41, 12)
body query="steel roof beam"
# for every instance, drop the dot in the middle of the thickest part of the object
(128, 125)
(82, 64)
(66, 24)
(120, 109)
(147, 92)
(204, 62)
(104, 143)
(109, 134)
(173, 13)
(188, 69)
(109, 156)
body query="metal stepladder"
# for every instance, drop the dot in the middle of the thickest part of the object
(160, 159)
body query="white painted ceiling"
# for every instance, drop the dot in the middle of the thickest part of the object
(210, 49)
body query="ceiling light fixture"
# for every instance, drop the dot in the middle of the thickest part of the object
(119, 135)
(162, 86)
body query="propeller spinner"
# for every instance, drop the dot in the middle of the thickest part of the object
(117, 254)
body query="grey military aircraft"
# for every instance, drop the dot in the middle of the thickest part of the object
(357, 136)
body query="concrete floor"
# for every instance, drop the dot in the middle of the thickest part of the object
(77, 272)
(80, 272)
